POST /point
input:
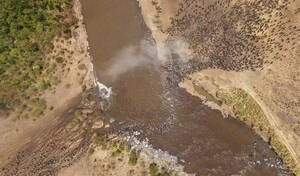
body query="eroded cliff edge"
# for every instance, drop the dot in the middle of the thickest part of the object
(245, 61)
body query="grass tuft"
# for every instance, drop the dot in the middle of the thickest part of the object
(133, 158)
(207, 95)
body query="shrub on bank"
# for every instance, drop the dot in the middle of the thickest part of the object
(207, 95)
(133, 158)
(90, 151)
(246, 108)
(153, 169)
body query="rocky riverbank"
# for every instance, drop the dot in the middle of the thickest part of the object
(124, 155)
(248, 49)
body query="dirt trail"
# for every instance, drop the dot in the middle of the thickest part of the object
(274, 122)
(212, 80)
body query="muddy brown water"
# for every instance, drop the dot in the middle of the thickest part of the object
(172, 119)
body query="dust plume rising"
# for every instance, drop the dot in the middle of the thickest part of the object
(146, 53)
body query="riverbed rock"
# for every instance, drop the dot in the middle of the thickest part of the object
(98, 124)
(87, 111)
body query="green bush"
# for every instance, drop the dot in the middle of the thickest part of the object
(114, 144)
(153, 169)
(77, 113)
(76, 26)
(81, 66)
(38, 112)
(83, 88)
(59, 60)
(66, 31)
(90, 151)
(164, 172)
(68, 85)
(133, 158)
(121, 147)
(42, 84)
(51, 108)
(207, 95)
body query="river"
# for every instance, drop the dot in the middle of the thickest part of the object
(172, 119)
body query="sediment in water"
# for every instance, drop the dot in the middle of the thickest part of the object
(198, 24)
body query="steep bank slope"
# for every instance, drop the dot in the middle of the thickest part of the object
(251, 45)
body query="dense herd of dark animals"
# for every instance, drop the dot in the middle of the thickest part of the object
(229, 35)
(55, 148)
(49, 153)
(49, 157)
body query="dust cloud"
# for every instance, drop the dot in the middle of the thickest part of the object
(147, 53)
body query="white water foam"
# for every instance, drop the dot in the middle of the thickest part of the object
(156, 155)
(105, 92)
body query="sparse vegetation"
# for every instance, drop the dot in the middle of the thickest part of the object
(90, 151)
(121, 155)
(153, 169)
(164, 172)
(133, 158)
(85, 98)
(114, 144)
(246, 108)
(100, 140)
(68, 85)
(70, 126)
(77, 113)
(116, 153)
(207, 95)
(121, 147)
(81, 67)
(38, 107)
(51, 108)
(27, 30)
(59, 60)
(83, 88)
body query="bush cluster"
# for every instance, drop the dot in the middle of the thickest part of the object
(26, 33)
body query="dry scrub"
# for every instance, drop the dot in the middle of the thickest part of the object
(246, 109)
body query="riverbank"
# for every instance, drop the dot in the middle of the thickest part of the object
(111, 154)
(74, 76)
(124, 155)
(245, 103)
(270, 89)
